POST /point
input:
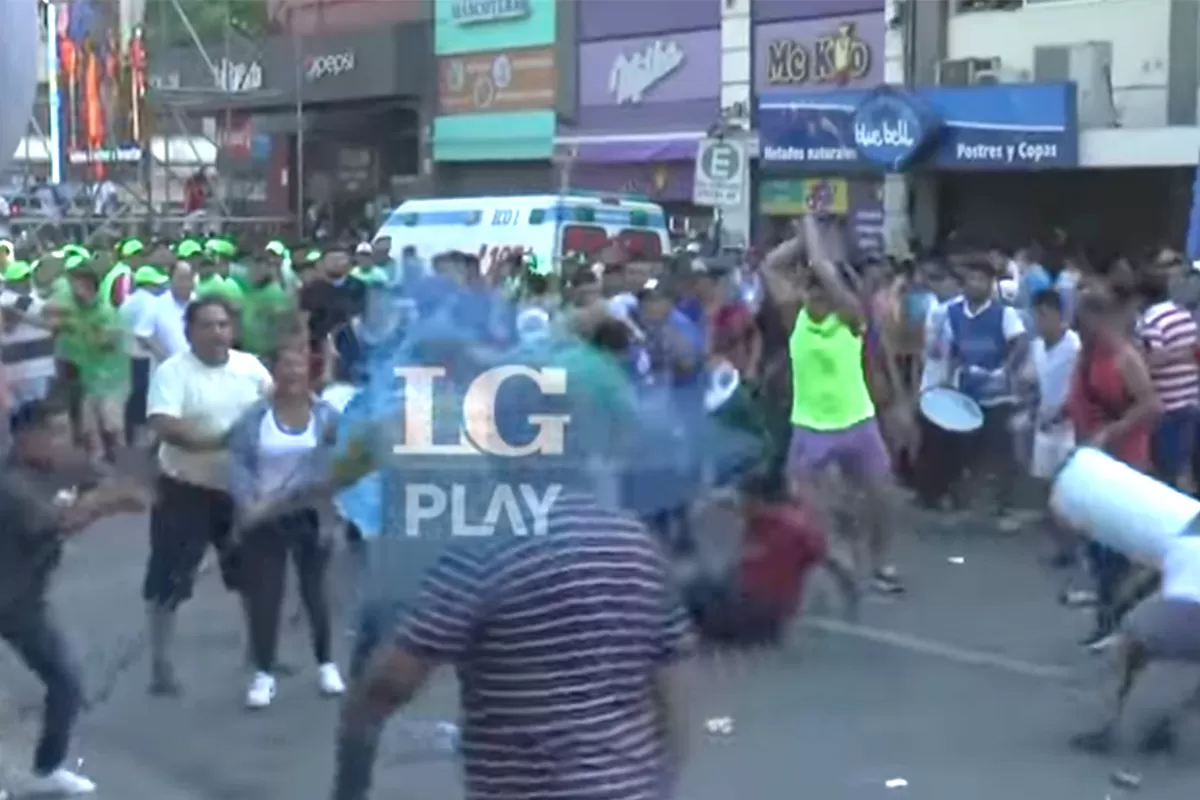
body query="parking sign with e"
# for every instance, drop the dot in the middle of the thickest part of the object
(720, 173)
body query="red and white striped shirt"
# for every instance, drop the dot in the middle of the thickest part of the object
(1166, 326)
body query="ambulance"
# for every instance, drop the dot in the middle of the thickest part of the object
(548, 226)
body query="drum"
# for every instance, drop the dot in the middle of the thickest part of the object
(723, 382)
(1120, 507)
(950, 410)
(339, 394)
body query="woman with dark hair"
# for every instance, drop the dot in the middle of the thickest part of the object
(279, 446)
(1112, 405)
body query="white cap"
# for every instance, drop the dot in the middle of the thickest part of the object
(363, 249)
(533, 324)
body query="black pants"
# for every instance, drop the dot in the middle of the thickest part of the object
(184, 521)
(33, 633)
(938, 463)
(989, 456)
(135, 406)
(262, 567)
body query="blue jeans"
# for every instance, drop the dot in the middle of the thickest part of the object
(33, 633)
(1171, 443)
(1109, 570)
(376, 621)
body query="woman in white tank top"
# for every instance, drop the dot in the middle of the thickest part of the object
(279, 447)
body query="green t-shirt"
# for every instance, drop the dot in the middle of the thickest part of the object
(261, 309)
(95, 340)
(829, 389)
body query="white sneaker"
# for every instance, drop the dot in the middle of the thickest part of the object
(261, 691)
(330, 680)
(60, 782)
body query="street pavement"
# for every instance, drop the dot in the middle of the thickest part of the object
(966, 687)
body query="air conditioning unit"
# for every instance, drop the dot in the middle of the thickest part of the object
(962, 71)
(991, 77)
(1090, 67)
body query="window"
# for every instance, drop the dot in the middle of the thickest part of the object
(640, 242)
(967, 6)
(587, 239)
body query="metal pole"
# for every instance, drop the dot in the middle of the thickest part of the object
(299, 176)
(224, 182)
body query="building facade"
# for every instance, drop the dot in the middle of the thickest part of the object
(329, 122)
(804, 62)
(649, 90)
(505, 76)
(1136, 67)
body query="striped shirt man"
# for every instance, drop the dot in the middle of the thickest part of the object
(557, 640)
(26, 348)
(1166, 326)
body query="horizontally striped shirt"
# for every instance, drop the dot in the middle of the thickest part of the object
(27, 350)
(1166, 326)
(556, 640)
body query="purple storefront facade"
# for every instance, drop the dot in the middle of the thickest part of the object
(649, 89)
(811, 47)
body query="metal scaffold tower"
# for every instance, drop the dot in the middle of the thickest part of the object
(130, 124)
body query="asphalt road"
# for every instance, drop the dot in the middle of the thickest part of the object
(967, 687)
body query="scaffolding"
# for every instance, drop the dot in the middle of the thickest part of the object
(142, 138)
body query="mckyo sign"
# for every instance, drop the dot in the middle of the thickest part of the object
(1006, 127)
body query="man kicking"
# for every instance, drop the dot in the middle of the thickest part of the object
(1163, 627)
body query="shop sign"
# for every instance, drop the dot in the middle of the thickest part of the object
(481, 12)
(329, 65)
(509, 80)
(234, 77)
(633, 74)
(838, 57)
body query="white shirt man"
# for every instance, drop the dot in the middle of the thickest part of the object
(160, 328)
(1053, 366)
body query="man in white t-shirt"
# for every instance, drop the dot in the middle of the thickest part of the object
(159, 327)
(1163, 627)
(195, 398)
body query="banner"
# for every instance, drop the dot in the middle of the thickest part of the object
(497, 78)
(1008, 127)
(478, 26)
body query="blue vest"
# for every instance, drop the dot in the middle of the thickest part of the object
(978, 342)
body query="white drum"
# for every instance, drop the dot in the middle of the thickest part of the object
(338, 395)
(1120, 507)
(723, 382)
(951, 410)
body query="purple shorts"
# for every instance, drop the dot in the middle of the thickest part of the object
(858, 450)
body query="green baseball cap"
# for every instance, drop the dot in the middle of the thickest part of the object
(222, 248)
(188, 248)
(149, 276)
(276, 248)
(74, 262)
(76, 250)
(18, 270)
(131, 247)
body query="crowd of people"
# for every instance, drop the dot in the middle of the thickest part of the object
(214, 358)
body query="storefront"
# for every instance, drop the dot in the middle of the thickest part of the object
(360, 95)
(939, 132)
(649, 90)
(503, 79)
(815, 56)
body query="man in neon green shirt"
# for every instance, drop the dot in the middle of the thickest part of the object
(212, 276)
(833, 416)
